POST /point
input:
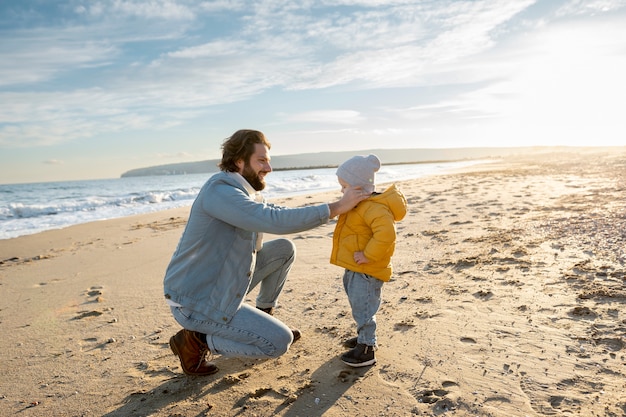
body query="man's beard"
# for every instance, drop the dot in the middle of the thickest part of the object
(253, 178)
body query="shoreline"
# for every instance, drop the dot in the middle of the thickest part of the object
(86, 206)
(507, 299)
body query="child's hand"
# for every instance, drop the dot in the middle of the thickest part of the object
(359, 258)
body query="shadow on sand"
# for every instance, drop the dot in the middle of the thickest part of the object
(321, 391)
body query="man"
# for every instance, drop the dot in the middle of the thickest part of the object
(221, 257)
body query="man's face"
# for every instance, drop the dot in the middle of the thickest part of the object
(257, 168)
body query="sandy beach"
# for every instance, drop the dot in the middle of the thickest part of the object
(508, 299)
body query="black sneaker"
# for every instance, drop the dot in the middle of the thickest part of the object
(361, 355)
(350, 343)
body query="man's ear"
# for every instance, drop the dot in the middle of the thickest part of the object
(240, 164)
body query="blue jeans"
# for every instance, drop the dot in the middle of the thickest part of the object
(364, 294)
(251, 333)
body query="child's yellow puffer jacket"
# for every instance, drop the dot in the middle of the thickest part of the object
(370, 227)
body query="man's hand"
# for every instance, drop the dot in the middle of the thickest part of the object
(351, 197)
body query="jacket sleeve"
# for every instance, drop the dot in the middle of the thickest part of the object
(234, 206)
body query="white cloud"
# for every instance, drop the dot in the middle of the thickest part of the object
(223, 6)
(564, 84)
(162, 9)
(349, 117)
(53, 162)
(586, 7)
(44, 119)
(38, 56)
(176, 155)
(170, 65)
(416, 45)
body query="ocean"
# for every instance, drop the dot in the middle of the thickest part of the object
(32, 208)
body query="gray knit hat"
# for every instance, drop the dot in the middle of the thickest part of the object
(360, 171)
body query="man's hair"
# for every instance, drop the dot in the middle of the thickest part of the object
(240, 146)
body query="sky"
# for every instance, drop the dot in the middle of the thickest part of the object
(93, 88)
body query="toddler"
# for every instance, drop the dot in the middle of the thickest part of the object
(363, 243)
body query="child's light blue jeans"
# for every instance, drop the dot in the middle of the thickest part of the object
(364, 294)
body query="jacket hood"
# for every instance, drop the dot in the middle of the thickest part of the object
(393, 198)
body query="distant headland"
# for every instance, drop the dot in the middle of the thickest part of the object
(333, 159)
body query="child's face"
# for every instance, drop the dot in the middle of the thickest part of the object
(343, 184)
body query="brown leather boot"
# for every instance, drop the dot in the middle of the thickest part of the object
(295, 332)
(192, 353)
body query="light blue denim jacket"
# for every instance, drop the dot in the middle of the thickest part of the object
(212, 266)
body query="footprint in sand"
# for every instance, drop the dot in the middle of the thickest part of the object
(448, 384)
(349, 375)
(431, 396)
(84, 314)
(483, 295)
(43, 284)
(95, 293)
(585, 312)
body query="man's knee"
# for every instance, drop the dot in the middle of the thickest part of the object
(283, 248)
(286, 246)
(280, 343)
